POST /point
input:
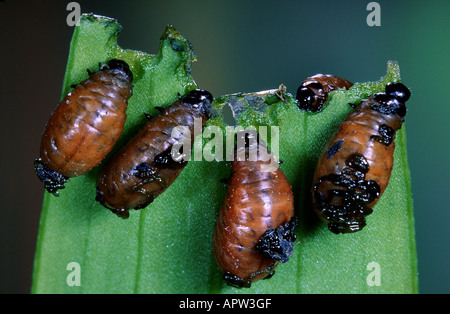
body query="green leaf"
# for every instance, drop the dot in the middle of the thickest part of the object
(167, 247)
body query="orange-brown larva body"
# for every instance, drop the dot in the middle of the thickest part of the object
(256, 203)
(143, 169)
(355, 168)
(313, 92)
(85, 126)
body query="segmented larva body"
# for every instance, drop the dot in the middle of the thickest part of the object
(85, 126)
(144, 168)
(255, 226)
(355, 168)
(313, 92)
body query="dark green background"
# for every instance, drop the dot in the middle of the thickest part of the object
(240, 46)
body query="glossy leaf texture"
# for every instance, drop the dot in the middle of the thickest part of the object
(167, 247)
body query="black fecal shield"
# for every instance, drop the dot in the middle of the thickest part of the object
(53, 180)
(346, 205)
(278, 244)
(236, 281)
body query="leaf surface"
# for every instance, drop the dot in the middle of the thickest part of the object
(167, 247)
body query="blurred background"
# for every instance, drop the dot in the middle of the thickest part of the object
(240, 46)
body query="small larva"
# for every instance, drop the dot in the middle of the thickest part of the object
(255, 226)
(85, 126)
(313, 92)
(144, 168)
(355, 167)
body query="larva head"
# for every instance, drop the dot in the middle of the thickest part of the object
(199, 99)
(311, 96)
(393, 100)
(119, 65)
(313, 92)
(398, 91)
